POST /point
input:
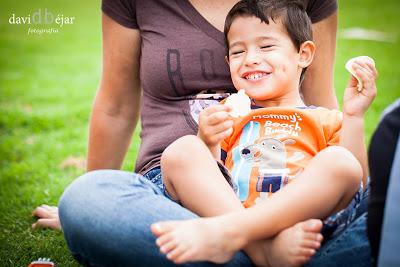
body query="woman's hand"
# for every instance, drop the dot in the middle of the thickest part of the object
(215, 124)
(356, 102)
(47, 217)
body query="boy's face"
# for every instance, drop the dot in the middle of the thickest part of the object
(263, 59)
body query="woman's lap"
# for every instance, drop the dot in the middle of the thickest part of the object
(106, 217)
(349, 248)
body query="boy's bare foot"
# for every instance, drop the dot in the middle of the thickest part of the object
(292, 247)
(196, 240)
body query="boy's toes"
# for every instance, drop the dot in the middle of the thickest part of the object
(306, 252)
(160, 228)
(300, 261)
(311, 225)
(310, 243)
(166, 248)
(164, 239)
(175, 254)
(183, 258)
(317, 237)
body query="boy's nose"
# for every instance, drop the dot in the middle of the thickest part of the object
(252, 58)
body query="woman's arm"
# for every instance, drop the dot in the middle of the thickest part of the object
(318, 86)
(115, 110)
(116, 107)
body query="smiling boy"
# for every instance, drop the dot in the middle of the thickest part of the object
(288, 162)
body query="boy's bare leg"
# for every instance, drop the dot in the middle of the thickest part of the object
(325, 186)
(192, 176)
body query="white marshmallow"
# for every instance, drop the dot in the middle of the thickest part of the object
(240, 104)
(349, 67)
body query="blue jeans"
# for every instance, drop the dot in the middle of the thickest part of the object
(349, 248)
(106, 217)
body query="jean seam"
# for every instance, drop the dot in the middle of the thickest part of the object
(341, 236)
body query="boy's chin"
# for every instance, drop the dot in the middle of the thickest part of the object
(261, 96)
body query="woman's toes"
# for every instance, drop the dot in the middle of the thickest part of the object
(40, 212)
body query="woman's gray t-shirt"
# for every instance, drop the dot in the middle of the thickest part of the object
(182, 56)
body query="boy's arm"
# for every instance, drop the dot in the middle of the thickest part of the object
(355, 104)
(352, 138)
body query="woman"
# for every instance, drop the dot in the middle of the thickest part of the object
(157, 59)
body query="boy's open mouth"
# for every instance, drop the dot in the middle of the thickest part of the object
(254, 75)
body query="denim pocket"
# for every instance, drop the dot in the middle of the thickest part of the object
(154, 176)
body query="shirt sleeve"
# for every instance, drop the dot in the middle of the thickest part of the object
(122, 11)
(318, 10)
(332, 127)
(224, 148)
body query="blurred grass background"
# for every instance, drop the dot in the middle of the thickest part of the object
(47, 85)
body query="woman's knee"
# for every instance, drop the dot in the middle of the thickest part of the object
(72, 202)
(91, 192)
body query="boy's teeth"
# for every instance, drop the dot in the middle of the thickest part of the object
(254, 76)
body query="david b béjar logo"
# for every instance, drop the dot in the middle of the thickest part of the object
(42, 17)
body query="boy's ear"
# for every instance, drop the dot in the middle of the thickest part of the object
(227, 59)
(307, 51)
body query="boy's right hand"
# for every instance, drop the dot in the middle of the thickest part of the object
(215, 124)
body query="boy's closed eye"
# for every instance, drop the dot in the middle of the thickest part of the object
(236, 52)
(265, 47)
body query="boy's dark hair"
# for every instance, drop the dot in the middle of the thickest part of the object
(292, 14)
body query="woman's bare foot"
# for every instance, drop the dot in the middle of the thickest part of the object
(197, 240)
(47, 217)
(292, 247)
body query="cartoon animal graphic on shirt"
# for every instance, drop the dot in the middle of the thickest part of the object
(270, 155)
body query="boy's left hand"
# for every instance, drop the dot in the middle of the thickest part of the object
(355, 102)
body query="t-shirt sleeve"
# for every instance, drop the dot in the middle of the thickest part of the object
(122, 11)
(332, 126)
(224, 148)
(318, 10)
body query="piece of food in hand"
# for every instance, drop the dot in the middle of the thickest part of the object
(349, 67)
(240, 104)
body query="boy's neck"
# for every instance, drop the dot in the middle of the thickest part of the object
(287, 100)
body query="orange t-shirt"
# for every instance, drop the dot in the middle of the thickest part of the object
(271, 146)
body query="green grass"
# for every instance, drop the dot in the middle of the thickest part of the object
(371, 15)
(47, 85)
